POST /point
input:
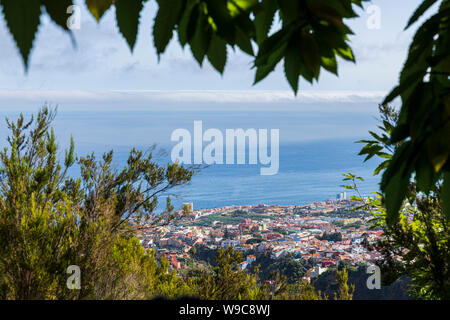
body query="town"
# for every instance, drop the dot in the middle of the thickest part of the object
(327, 233)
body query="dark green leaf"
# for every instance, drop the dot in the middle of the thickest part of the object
(424, 6)
(243, 42)
(167, 17)
(446, 195)
(264, 19)
(396, 180)
(127, 15)
(22, 18)
(407, 83)
(264, 69)
(310, 54)
(289, 10)
(395, 192)
(187, 24)
(57, 10)
(292, 61)
(201, 39)
(217, 53)
(326, 12)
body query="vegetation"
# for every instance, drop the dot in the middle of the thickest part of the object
(344, 291)
(255, 240)
(49, 221)
(423, 126)
(230, 218)
(293, 270)
(332, 236)
(226, 281)
(328, 284)
(417, 245)
(203, 253)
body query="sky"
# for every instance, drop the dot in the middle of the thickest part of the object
(101, 70)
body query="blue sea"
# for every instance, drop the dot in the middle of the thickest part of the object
(316, 148)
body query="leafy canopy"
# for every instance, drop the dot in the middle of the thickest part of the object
(308, 35)
(423, 126)
(417, 243)
(49, 221)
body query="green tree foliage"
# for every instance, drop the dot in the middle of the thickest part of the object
(327, 283)
(287, 266)
(423, 126)
(345, 292)
(300, 291)
(203, 253)
(254, 240)
(49, 221)
(417, 243)
(226, 281)
(332, 236)
(309, 35)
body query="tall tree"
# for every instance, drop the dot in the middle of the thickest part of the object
(50, 221)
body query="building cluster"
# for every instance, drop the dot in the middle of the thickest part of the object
(277, 230)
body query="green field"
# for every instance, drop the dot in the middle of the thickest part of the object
(230, 218)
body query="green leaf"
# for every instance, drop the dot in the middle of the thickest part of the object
(98, 7)
(346, 53)
(311, 54)
(270, 45)
(270, 63)
(326, 12)
(292, 61)
(405, 84)
(424, 174)
(57, 10)
(289, 10)
(219, 12)
(127, 16)
(424, 6)
(217, 53)
(243, 42)
(381, 167)
(245, 4)
(22, 18)
(264, 19)
(201, 39)
(395, 193)
(330, 64)
(396, 181)
(168, 16)
(445, 195)
(187, 24)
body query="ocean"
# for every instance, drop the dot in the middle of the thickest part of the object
(316, 148)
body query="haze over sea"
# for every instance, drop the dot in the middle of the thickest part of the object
(317, 145)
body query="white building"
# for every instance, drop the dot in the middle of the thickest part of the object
(230, 243)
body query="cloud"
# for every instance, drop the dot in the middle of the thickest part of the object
(187, 96)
